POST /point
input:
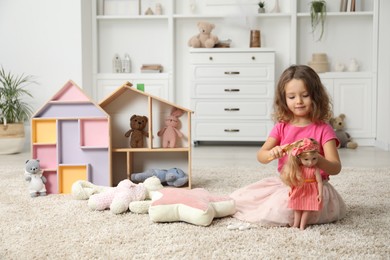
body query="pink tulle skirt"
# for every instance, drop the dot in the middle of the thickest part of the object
(266, 202)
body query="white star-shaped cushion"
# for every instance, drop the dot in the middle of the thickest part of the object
(196, 206)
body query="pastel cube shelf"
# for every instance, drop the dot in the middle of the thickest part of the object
(47, 155)
(94, 133)
(68, 174)
(69, 132)
(52, 181)
(70, 93)
(44, 131)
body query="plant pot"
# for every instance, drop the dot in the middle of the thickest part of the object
(317, 7)
(261, 10)
(12, 138)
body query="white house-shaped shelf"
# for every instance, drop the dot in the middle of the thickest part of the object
(70, 137)
(120, 106)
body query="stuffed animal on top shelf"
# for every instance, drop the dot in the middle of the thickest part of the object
(170, 131)
(34, 176)
(204, 39)
(338, 124)
(137, 133)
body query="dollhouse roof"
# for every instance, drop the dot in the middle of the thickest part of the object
(70, 102)
(127, 86)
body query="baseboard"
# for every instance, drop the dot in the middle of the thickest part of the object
(382, 145)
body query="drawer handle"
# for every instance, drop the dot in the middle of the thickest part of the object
(232, 130)
(232, 90)
(232, 109)
(253, 57)
(232, 72)
(210, 58)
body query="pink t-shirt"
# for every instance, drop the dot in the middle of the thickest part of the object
(286, 133)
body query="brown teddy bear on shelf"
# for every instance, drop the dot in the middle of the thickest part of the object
(137, 133)
(345, 139)
(204, 39)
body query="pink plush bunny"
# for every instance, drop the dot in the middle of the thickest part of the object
(170, 131)
(117, 199)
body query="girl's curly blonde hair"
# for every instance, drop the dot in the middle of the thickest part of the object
(321, 104)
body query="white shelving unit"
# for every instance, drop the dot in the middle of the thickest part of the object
(163, 39)
(146, 38)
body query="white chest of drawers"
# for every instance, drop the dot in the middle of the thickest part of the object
(232, 93)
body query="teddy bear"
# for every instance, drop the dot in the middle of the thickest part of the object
(126, 195)
(136, 132)
(173, 177)
(34, 176)
(170, 131)
(338, 124)
(204, 39)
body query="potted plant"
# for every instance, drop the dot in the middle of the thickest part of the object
(318, 16)
(261, 5)
(13, 111)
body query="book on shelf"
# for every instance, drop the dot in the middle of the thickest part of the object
(358, 5)
(344, 5)
(151, 68)
(351, 5)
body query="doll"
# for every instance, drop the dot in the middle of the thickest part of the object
(304, 178)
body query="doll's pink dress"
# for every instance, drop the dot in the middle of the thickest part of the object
(305, 197)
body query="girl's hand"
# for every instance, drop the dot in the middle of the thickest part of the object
(276, 153)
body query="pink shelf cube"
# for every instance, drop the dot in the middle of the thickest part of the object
(94, 133)
(47, 155)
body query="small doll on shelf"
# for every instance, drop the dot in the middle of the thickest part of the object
(303, 176)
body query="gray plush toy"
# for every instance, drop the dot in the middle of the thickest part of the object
(173, 177)
(34, 176)
(338, 124)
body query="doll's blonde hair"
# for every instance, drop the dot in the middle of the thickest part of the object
(291, 173)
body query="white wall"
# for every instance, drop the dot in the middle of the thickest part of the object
(42, 38)
(383, 105)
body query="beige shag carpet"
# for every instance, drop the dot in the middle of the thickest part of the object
(60, 227)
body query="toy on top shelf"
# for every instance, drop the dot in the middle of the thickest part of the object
(170, 131)
(33, 175)
(204, 39)
(137, 133)
(173, 177)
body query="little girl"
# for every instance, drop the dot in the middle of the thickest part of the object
(301, 110)
(303, 177)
